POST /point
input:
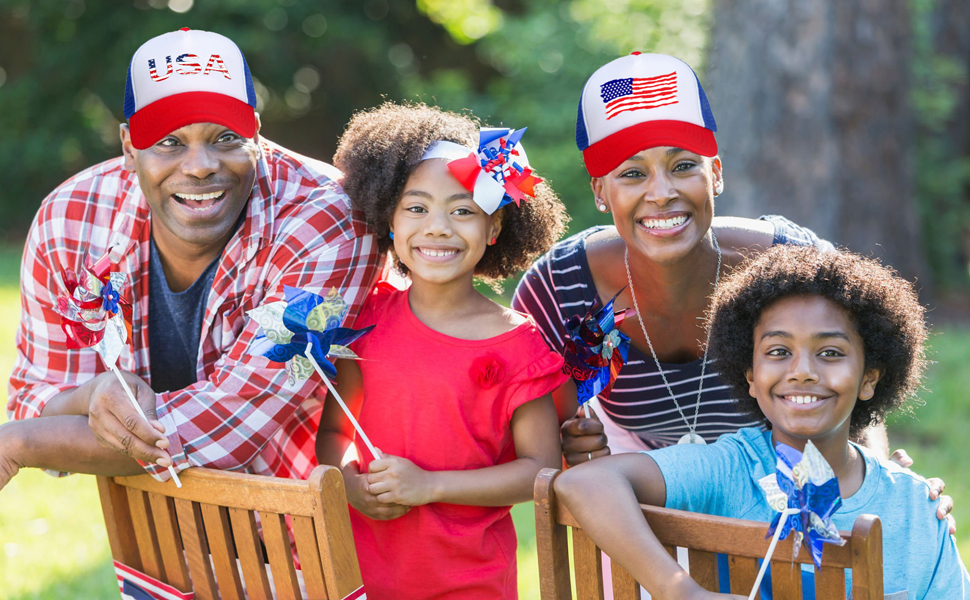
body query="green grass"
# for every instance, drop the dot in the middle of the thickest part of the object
(53, 544)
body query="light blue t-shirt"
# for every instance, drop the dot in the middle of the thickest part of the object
(920, 558)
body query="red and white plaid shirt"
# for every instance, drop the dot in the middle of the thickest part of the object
(241, 414)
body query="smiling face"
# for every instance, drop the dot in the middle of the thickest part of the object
(662, 200)
(809, 370)
(197, 181)
(440, 234)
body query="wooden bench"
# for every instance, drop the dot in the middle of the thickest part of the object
(191, 537)
(703, 536)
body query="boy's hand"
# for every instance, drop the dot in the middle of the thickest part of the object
(937, 485)
(365, 502)
(583, 439)
(397, 480)
(118, 426)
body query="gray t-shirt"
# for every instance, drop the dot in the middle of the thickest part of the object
(175, 326)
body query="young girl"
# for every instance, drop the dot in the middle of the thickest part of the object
(817, 345)
(453, 389)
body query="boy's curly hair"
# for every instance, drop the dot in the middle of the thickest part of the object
(883, 307)
(382, 146)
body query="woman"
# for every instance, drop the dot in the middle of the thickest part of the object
(647, 135)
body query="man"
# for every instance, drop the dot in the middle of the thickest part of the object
(208, 221)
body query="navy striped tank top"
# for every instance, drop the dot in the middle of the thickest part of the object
(560, 285)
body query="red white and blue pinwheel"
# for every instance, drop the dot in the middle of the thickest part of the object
(595, 350)
(94, 316)
(497, 173)
(805, 492)
(304, 332)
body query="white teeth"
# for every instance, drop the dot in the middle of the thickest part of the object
(802, 399)
(664, 223)
(199, 197)
(433, 252)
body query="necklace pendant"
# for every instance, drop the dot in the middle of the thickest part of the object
(691, 438)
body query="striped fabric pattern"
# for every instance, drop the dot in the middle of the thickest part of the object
(560, 285)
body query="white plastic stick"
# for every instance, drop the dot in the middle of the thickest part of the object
(360, 431)
(131, 396)
(771, 549)
(586, 408)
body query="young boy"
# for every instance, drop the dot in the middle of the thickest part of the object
(819, 346)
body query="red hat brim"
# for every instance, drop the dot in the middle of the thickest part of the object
(610, 152)
(164, 116)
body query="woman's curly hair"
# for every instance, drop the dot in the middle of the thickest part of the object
(382, 146)
(883, 307)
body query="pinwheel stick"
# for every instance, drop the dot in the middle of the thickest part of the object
(131, 396)
(360, 431)
(586, 408)
(771, 549)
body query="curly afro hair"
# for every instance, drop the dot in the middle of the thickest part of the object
(883, 307)
(382, 146)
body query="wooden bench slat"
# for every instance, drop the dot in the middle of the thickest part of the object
(830, 582)
(786, 580)
(144, 527)
(250, 553)
(170, 542)
(219, 535)
(306, 545)
(196, 549)
(625, 587)
(280, 556)
(118, 524)
(252, 492)
(551, 543)
(866, 547)
(742, 571)
(703, 568)
(588, 563)
(335, 539)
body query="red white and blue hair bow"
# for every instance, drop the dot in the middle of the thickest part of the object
(497, 174)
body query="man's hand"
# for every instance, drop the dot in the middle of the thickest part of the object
(583, 439)
(365, 502)
(394, 479)
(937, 485)
(118, 426)
(11, 449)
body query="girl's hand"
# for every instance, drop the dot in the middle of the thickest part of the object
(365, 502)
(583, 439)
(937, 485)
(397, 480)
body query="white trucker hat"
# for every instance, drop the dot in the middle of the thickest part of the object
(185, 77)
(642, 101)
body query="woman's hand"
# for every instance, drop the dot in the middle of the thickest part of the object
(937, 486)
(583, 439)
(365, 502)
(397, 480)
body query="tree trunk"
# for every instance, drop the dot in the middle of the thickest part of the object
(810, 98)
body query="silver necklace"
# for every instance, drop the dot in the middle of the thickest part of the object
(691, 437)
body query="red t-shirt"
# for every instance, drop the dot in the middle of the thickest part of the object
(445, 404)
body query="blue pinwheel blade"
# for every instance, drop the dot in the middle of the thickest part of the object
(299, 303)
(281, 353)
(344, 336)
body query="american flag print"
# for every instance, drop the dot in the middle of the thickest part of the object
(637, 93)
(135, 585)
